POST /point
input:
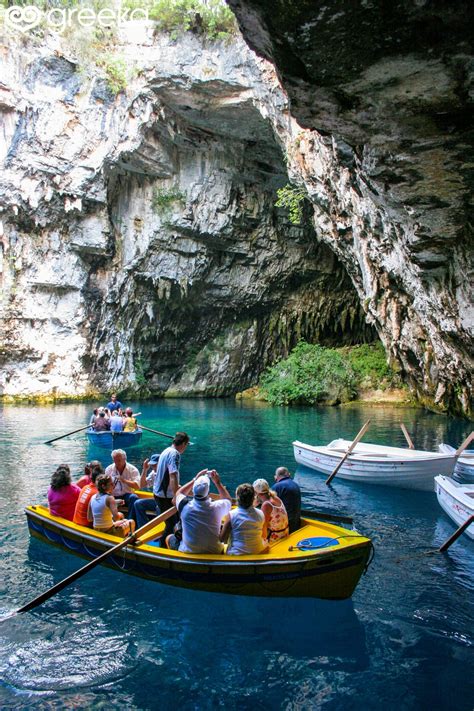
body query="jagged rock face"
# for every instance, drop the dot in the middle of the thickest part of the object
(140, 246)
(384, 92)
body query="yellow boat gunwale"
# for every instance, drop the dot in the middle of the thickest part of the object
(344, 542)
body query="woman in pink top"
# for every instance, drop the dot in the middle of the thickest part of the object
(62, 494)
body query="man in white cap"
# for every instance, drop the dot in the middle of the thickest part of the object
(201, 517)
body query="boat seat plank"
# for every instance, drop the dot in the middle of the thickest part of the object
(360, 454)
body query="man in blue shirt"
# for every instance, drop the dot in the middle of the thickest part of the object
(114, 404)
(166, 482)
(290, 493)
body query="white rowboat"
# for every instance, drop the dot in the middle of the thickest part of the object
(457, 500)
(464, 470)
(377, 464)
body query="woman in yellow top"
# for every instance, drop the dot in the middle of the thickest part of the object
(129, 421)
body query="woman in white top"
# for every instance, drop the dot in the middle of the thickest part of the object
(103, 510)
(245, 525)
(273, 509)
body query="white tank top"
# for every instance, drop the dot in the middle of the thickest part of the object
(102, 514)
(246, 532)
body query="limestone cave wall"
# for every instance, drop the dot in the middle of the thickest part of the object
(383, 93)
(140, 244)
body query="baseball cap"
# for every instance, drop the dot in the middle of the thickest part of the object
(201, 487)
(153, 459)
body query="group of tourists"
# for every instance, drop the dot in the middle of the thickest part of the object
(201, 524)
(114, 417)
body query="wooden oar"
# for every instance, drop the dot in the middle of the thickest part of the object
(407, 436)
(351, 447)
(465, 444)
(163, 434)
(67, 435)
(148, 429)
(133, 538)
(456, 534)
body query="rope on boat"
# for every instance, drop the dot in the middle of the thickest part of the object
(95, 555)
(72, 545)
(119, 565)
(92, 555)
(371, 558)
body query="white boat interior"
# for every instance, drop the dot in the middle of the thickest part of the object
(467, 455)
(457, 501)
(363, 450)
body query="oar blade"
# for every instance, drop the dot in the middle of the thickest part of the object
(55, 439)
(93, 563)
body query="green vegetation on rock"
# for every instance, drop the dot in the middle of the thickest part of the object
(163, 198)
(369, 363)
(140, 368)
(96, 45)
(115, 71)
(313, 374)
(292, 198)
(309, 375)
(211, 19)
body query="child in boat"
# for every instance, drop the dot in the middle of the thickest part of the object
(62, 493)
(245, 525)
(87, 492)
(273, 509)
(86, 478)
(103, 510)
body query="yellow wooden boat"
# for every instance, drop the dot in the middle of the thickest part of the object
(319, 560)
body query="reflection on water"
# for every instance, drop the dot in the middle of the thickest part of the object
(404, 641)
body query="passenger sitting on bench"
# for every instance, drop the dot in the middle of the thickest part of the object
(87, 492)
(290, 493)
(147, 478)
(103, 510)
(201, 517)
(62, 493)
(245, 525)
(273, 509)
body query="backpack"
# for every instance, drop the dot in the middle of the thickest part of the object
(178, 527)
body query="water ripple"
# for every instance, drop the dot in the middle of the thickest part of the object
(404, 641)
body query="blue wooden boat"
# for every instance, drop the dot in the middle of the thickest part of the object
(114, 440)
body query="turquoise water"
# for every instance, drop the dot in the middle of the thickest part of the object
(404, 641)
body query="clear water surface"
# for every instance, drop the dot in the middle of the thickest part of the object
(404, 641)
